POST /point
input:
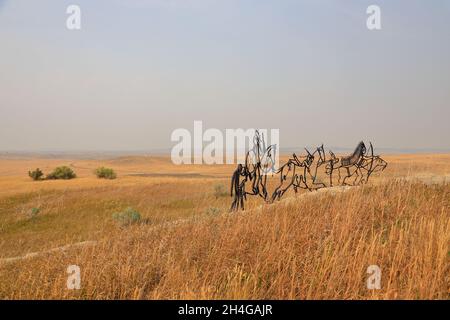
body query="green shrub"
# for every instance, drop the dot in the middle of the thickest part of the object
(105, 173)
(127, 217)
(36, 174)
(220, 191)
(62, 173)
(34, 212)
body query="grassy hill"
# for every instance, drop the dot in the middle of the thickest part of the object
(317, 246)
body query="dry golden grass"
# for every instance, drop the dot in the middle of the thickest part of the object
(316, 247)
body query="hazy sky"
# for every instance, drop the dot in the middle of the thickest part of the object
(139, 69)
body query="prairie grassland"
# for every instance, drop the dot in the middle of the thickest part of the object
(315, 247)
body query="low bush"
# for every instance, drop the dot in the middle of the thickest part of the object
(63, 172)
(36, 174)
(105, 173)
(127, 217)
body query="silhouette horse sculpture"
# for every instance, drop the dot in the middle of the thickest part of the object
(370, 164)
(352, 161)
(300, 174)
(290, 177)
(313, 174)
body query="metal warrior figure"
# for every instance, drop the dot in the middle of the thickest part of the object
(300, 172)
(259, 161)
(360, 165)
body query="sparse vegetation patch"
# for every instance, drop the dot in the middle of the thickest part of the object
(105, 173)
(36, 174)
(63, 173)
(127, 217)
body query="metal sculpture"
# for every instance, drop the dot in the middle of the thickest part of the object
(299, 172)
(360, 165)
(258, 162)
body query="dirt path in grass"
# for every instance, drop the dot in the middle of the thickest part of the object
(41, 253)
